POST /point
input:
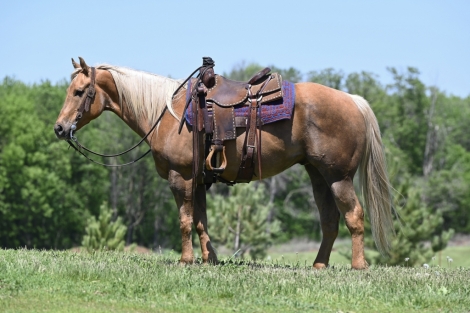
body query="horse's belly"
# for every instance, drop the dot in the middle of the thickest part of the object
(279, 151)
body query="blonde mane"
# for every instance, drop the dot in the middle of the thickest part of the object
(146, 94)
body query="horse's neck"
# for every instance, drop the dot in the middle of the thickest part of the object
(140, 117)
(126, 114)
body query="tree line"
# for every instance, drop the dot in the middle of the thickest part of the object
(48, 192)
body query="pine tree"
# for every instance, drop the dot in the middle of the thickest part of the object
(239, 221)
(419, 229)
(102, 233)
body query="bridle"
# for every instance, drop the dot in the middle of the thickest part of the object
(85, 107)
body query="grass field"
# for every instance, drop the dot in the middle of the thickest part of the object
(65, 281)
(460, 256)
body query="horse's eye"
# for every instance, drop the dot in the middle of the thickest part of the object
(78, 93)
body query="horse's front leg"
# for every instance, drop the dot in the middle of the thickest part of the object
(200, 220)
(182, 191)
(190, 213)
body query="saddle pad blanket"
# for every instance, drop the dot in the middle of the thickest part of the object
(274, 111)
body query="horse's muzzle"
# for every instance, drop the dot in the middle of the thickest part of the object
(60, 131)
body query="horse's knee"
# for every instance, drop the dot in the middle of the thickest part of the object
(185, 223)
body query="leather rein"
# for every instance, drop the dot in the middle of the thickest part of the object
(85, 107)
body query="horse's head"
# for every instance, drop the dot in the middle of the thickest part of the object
(83, 103)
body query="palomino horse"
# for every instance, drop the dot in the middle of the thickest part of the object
(331, 133)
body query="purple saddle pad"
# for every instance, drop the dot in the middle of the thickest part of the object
(274, 111)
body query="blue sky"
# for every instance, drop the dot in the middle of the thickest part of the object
(38, 38)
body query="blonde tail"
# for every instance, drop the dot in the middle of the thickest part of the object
(374, 181)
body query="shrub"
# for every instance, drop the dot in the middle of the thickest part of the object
(102, 233)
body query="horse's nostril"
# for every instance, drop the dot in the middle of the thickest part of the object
(59, 130)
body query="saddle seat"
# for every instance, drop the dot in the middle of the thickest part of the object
(229, 93)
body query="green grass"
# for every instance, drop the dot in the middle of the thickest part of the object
(64, 281)
(460, 256)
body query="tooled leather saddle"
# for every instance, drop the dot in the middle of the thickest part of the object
(214, 99)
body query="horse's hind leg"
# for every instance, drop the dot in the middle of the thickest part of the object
(339, 196)
(329, 215)
(348, 204)
(200, 220)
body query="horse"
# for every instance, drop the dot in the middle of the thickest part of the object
(332, 133)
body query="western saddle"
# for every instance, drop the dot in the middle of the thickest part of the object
(214, 99)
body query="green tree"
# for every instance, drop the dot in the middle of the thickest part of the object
(294, 205)
(134, 192)
(291, 74)
(239, 221)
(418, 226)
(447, 186)
(243, 72)
(447, 190)
(328, 77)
(103, 233)
(39, 203)
(407, 123)
(367, 86)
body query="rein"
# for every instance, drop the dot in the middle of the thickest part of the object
(85, 107)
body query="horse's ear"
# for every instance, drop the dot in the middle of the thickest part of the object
(75, 64)
(84, 66)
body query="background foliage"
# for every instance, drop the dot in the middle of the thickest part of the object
(104, 234)
(239, 220)
(48, 192)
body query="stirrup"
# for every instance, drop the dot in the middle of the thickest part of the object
(216, 151)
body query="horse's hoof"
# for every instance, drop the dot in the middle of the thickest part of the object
(360, 265)
(211, 262)
(320, 266)
(186, 260)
